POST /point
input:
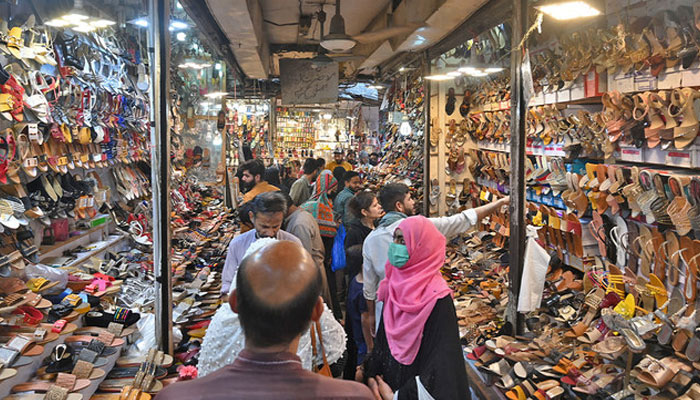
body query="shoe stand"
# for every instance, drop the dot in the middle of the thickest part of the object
(26, 372)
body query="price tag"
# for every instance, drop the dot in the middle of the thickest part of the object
(678, 157)
(624, 85)
(563, 95)
(669, 80)
(33, 130)
(691, 77)
(645, 82)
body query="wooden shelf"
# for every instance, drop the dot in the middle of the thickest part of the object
(91, 253)
(48, 249)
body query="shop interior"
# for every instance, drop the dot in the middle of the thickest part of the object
(126, 127)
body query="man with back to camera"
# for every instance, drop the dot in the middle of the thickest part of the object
(396, 200)
(276, 298)
(338, 161)
(269, 210)
(301, 189)
(342, 212)
(252, 176)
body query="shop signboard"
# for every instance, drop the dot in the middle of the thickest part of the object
(307, 81)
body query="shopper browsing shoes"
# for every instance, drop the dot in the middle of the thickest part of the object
(396, 200)
(302, 224)
(320, 206)
(366, 208)
(252, 176)
(340, 204)
(269, 210)
(301, 189)
(276, 298)
(417, 347)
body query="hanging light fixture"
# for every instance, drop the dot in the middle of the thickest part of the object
(566, 10)
(337, 41)
(78, 20)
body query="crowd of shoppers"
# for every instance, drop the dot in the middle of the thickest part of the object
(388, 312)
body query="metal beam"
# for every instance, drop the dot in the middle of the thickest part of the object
(159, 54)
(518, 112)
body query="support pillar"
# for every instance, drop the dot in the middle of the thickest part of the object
(159, 56)
(518, 112)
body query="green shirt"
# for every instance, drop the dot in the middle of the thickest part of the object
(340, 206)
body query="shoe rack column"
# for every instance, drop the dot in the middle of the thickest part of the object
(518, 111)
(426, 136)
(159, 54)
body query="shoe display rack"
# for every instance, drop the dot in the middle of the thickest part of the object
(74, 190)
(612, 189)
(402, 155)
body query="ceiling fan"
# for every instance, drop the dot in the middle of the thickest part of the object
(387, 33)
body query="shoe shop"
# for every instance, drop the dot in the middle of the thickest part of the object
(191, 193)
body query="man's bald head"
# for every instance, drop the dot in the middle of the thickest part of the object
(277, 288)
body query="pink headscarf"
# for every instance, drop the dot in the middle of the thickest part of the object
(410, 293)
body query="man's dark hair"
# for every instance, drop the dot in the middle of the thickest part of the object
(254, 167)
(350, 152)
(310, 165)
(390, 194)
(361, 201)
(375, 154)
(272, 176)
(349, 175)
(265, 325)
(320, 162)
(339, 175)
(269, 202)
(243, 211)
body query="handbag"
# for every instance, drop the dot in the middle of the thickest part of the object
(325, 369)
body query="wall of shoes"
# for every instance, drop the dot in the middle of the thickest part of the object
(74, 184)
(613, 190)
(401, 130)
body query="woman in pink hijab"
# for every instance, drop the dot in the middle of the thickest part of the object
(417, 350)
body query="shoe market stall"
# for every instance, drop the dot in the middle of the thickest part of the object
(609, 205)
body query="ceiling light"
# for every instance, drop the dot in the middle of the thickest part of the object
(142, 22)
(181, 36)
(84, 28)
(102, 23)
(179, 24)
(402, 69)
(479, 73)
(493, 70)
(467, 70)
(569, 10)
(175, 25)
(75, 17)
(337, 41)
(327, 116)
(454, 73)
(57, 23)
(439, 77)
